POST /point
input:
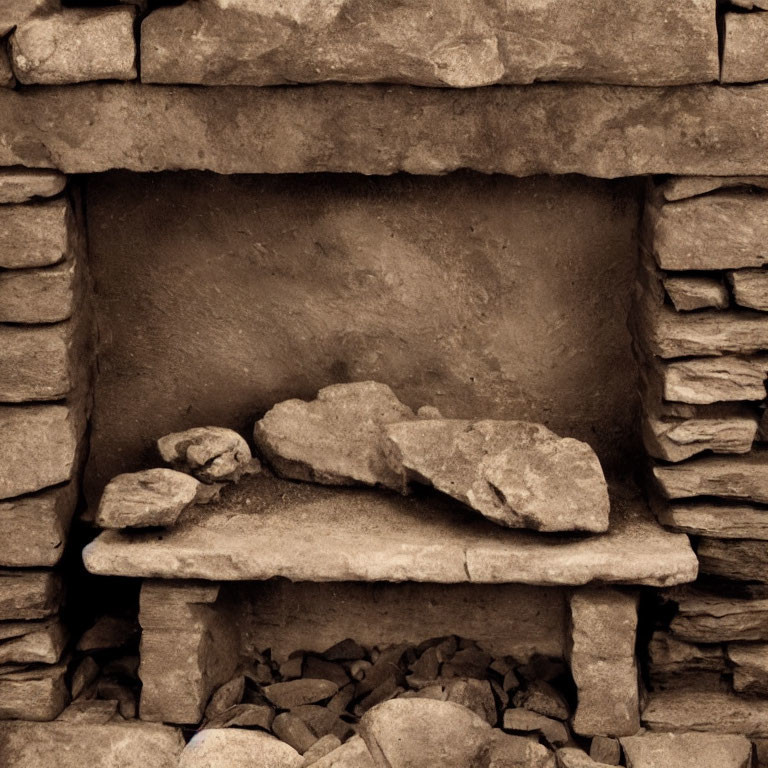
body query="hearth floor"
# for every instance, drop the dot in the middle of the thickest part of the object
(264, 527)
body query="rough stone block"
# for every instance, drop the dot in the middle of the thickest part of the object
(740, 559)
(28, 595)
(427, 43)
(18, 185)
(38, 693)
(44, 295)
(35, 527)
(750, 287)
(38, 446)
(744, 43)
(602, 659)
(75, 45)
(671, 660)
(687, 750)
(715, 379)
(33, 235)
(32, 642)
(750, 673)
(697, 292)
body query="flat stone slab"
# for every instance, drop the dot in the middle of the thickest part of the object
(265, 527)
(596, 130)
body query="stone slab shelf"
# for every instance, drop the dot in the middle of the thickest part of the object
(264, 527)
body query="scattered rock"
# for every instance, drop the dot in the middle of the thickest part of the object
(750, 286)
(33, 235)
(744, 40)
(695, 292)
(320, 749)
(541, 697)
(45, 295)
(687, 750)
(573, 757)
(345, 650)
(476, 695)
(738, 559)
(552, 731)
(467, 662)
(29, 594)
(605, 750)
(505, 751)
(211, 454)
(153, 497)
(294, 693)
(515, 473)
(84, 676)
(244, 716)
(294, 731)
(321, 721)
(18, 185)
(714, 519)
(226, 696)
(75, 45)
(716, 379)
(320, 669)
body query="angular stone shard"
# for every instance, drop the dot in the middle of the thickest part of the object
(524, 721)
(719, 521)
(740, 559)
(44, 295)
(702, 711)
(75, 45)
(681, 187)
(734, 477)
(32, 642)
(425, 43)
(515, 473)
(746, 36)
(704, 381)
(33, 235)
(211, 454)
(29, 594)
(73, 745)
(687, 750)
(689, 293)
(336, 439)
(724, 230)
(750, 674)
(603, 664)
(236, 748)
(144, 499)
(18, 185)
(35, 527)
(750, 288)
(32, 693)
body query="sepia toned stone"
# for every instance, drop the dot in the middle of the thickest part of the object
(32, 642)
(606, 750)
(153, 497)
(744, 41)
(554, 732)
(33, 235)
(75, 45)
(602, 660)
(294, 693)
(237, 748)
(336, 439)
(750, 673)
(503, 749)
(90, 711)
(732, 477)
(681, 750)
(29, 594)
(44, 295)
(35, 527)
(18, 185)
(750, 288)
(681, 187)
(351, 754)
(35, 693)
(670, 658)
(709, 380)
(688, 293)
(740, 559)
(7, 79)
(13, 12)
(716, 520)
(512, 472)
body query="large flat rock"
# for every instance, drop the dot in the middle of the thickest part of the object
(424, 42)
(264, 527)
(596, 130)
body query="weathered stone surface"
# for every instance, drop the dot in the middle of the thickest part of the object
(29, 594)
(671, 659)
(719, 521)
(428, 44)
(732, 430)
(681, 187)
(602, 131)
(322, 747)
(91, 711)
(746, 35)
(506, 751)
(13, 12)
(293, 731)
(236, 748)
(72, 745)
(739, 559)
(710, 380)
(573, 757)
(17, 185)
(336, 439)
(211, 454)
(36, 693)
(750, 674)
(525, 721)
(244, 716)
(263, 527)
(701, 711)
(541, 697)
(734, 477)
(602, 660)
(750, 288)
(32, 642)
(75, 45)
(36, 363)
(604, 749)
(35, 527)
(515, 473)
(351, 754)
(695, 292)
(44, 295)
(145, 499)
(724, 230)
(181, 620)
(294, 693)
(687, 750)
(33, 235)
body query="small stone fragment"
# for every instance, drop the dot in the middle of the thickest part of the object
(109, 632)
(75, 45)
(244, 716)
(211, 454)
(237, 748)
(468, 662)
(149, 498)
(18, 185)
(320, 669)
(351, 754)
(476, 695)
(554, 732)
(541, 697)
(573, 757)
(605, 750)
(694, 292)
(709, 380)
(320, 748)
(91, 711)
(505, 751)
(750, 286)
(226, 696)
(294, 693)
(744, 42)
(294, 731)
(84, 675)
(346, 650)
(515, 473)
(321, 721)
(337, 438)
(687, 750)
(737, 559)
(33, 235)
(750, 674)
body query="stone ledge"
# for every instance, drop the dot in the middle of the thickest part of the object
(602, 131)
(264, 527)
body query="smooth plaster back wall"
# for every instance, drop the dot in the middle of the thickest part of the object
(487, 296)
